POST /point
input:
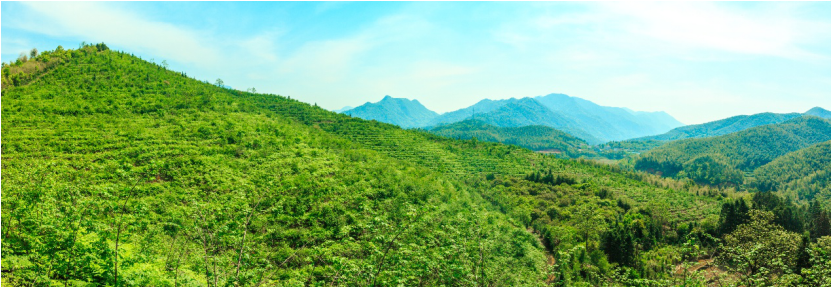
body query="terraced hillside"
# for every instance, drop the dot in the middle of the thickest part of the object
(119, 172)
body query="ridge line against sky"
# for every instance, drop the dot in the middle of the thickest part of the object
(698, 61)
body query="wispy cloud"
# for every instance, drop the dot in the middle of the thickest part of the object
(774, 31)
(100, 22)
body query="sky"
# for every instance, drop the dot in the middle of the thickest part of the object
(697, 61)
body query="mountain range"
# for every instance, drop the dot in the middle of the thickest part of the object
(732, 124)
(723, 159)
(578, 117)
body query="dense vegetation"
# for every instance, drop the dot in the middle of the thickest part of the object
(722, 127)
(802, 174)
(537, 138)
(723, 160)
(119, 172)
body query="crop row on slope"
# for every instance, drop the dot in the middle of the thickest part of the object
(119, 172)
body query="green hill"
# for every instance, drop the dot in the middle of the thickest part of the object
(401, 112)
(120, 172)
(721, 127)
(803, 174)
(538, 138)
(722, 159)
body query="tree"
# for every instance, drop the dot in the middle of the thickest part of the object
(818, 274)
(759, 251)
(165, 64)
(33, 53)
(590, 223)
(219, 82)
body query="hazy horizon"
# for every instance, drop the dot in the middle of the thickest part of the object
(698, 62)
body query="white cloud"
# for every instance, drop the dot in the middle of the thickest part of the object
(98, 22)
(775, 31)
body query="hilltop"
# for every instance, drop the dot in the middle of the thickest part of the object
(398, 111)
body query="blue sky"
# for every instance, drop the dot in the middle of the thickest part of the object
(697, 61)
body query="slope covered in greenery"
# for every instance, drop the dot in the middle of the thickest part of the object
(721, 127)
(723, 159)
(119, 172)
(401, 112)
(802, 174)
(531, 137)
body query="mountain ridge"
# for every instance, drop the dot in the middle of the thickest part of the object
(579, 117)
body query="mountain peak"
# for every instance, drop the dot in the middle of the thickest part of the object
(398, 111)
(820, 112)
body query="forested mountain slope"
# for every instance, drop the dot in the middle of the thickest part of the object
(802, 174)
(722, 159)
(120, 172)
(401, 112)
(722, 127)
(531, 137)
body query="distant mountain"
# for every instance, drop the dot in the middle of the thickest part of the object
(730, 125)
(819, 112)
(802, 174)
(398, 111)
(609, 123)
(723, 159)
(578, 117)
(536, 138)
(480, 107)
(344, 109)
(530, 112)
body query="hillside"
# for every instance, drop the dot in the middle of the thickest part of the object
(401, 112)
(803, 174)
(531, 137)
(722, 159)
(119, 172)
(721, 127)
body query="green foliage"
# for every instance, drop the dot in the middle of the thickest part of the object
(721, 127)
(802, 174)
(120, 172)
(720, 160)
(760, 252)
(538, 138)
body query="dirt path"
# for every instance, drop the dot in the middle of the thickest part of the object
(550, 259)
